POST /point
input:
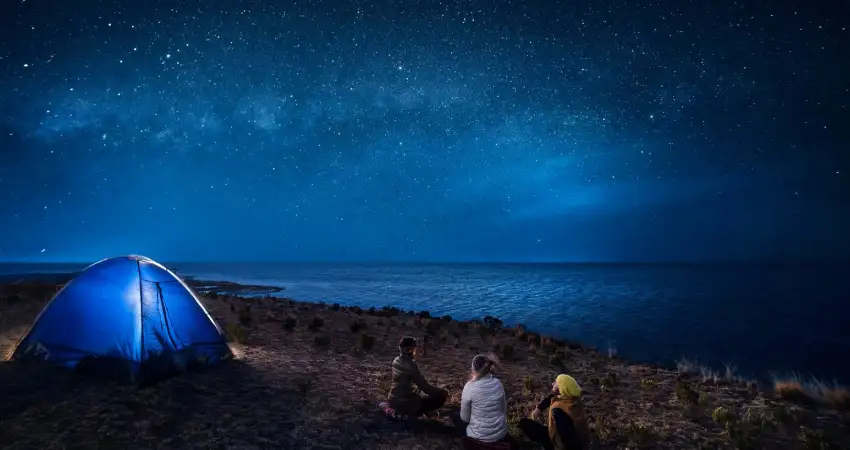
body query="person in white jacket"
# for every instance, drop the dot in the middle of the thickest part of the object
(483, 405)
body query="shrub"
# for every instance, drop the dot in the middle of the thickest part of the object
(304, 384)
(508, 352)
(316, 323)
(433, 327)
(703, 399)
(647, 383)
(527, 385)
(356, 310)
(335, 307)
(493, 323)
(232, 307)
(357, 325)
(367, 342)
(610, 380)
(446, 318)
(639, 434)
(814, 439)
(685, 394)
(519, 332)
(603, 431)
(423, 315)
(289, 323)
(235, 333)
(390, 311)
(721, 415)
(533, 339)
(322, 340)
(245, 315)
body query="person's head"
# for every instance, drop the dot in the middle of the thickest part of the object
(483, 365)
(407, 345)
(566, 386)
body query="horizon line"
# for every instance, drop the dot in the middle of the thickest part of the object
(463, 262)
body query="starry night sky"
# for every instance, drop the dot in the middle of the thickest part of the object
(424, 130)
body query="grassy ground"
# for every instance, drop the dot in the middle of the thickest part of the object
(309, 375)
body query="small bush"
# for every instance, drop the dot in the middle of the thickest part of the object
(703, 399)
(721, 415)
(235, 333)
(322, 340)
(527, 385)
(289, 323)
(304, 384)
(647, 383)
(639, 434)
(814, 439)
(356, 310)
(335, 307)
(508, 352)
(610, 380)
(245, 315)
(446, 319)
(685, 394)
(493, 323)
(357, 325)
(423, 315)
(602, 429)
(433, 327)
(390, 311)
(316, 323)
(556, 361)
(367, 342)
(519, 332)
(533, 339)
(232, 307)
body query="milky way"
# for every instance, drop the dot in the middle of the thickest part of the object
(463, 130)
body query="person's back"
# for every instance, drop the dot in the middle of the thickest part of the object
(487, 409)
(402, 397)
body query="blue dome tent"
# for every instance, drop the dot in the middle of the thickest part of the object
(127, 316)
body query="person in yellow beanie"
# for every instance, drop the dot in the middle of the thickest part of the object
(567, 427)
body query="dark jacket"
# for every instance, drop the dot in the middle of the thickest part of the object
(406, 374)
(568, 427)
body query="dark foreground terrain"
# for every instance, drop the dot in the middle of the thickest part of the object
(308, 376)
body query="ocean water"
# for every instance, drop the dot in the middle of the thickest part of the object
(761, 319)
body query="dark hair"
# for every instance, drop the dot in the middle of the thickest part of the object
(483, 364)
(407, 342)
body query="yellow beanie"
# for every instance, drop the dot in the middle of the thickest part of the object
(567, 386)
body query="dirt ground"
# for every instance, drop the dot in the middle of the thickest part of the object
(308, 376)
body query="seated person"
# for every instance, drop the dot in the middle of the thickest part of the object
(484, 407)
(403, 401)
(568, 428)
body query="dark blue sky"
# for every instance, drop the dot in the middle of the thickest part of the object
(456, 130)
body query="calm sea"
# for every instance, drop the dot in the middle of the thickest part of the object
(760, 319)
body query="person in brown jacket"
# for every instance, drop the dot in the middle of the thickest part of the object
(568, 428)
(402, 397)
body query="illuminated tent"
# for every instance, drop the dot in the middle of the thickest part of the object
(126, 316)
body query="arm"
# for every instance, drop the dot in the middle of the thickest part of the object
(466, 404)
(417, 378)
(542, 406)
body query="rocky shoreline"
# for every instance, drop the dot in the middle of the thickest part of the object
(309, 374)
